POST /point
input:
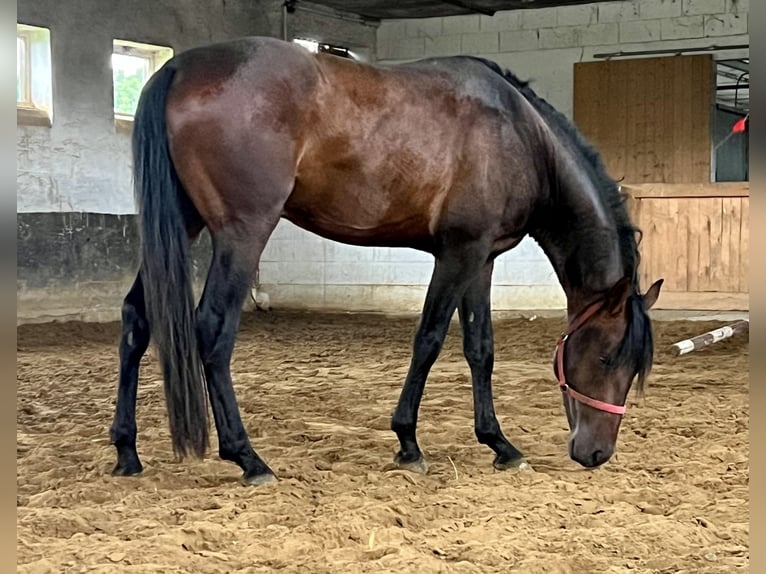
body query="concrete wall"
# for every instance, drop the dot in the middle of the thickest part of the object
(81, 163)
(80, 166)
(542, 45)
(75, 226)
(301, 270)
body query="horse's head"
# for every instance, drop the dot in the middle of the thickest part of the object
(604, 349)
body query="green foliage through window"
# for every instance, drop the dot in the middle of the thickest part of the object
(130, 73)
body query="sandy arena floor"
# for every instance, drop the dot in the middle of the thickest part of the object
(316, 393)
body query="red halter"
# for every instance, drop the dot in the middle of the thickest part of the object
(579, 321)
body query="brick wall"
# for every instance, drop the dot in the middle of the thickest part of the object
(543, 44)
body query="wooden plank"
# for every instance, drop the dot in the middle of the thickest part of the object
(662, 250)
(703, 100)
(634, 206)
(705, 231)
(650, 118)
(711, 209)
(693, 245)
(633, 136)
(593, 102)
(666, 119)
(744, 247)
(703, 301)
(583, 104)
(723, 189)
(655, 104)
(652, 226)
(730, 241)
(637, 218)
(677, 239)
(716, 243)
(591, 98)
(674, 244)
(681, 125)
(739, 248)
(664, 245)
(612, 132)
(651, 250)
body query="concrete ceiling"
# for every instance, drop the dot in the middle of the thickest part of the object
(385, 9)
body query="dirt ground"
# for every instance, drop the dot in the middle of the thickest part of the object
(316, 392)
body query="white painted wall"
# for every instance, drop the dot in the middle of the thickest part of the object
(81, 164)
(299, 269)
(542, 45)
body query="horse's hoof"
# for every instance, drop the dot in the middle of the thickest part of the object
(134, 469)
(513, 464)
(419, 466)
(258, 479)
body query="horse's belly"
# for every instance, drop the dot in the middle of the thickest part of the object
(364, 186)
(360, 216)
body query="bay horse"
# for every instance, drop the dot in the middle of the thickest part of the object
(450, 156)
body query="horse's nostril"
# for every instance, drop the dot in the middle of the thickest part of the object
(589, 459)
(598, 458)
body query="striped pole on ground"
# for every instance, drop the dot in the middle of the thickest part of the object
(707, 339)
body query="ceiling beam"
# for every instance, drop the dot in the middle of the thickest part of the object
(469, 6)
(670, 51)
(736, 64)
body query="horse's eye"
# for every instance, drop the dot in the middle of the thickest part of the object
(605, 360)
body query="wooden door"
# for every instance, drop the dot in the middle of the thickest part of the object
(651, 118)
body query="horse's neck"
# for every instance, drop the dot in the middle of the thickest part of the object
(578, 233)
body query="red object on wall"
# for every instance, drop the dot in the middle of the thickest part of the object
(740, 126)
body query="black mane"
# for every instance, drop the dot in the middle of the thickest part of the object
(637, 348)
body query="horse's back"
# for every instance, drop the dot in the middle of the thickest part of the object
(361, 153)
(391, 153)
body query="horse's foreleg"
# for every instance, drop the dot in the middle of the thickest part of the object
(218, 316)
(453, 271)
(478, 348)
(133, 344)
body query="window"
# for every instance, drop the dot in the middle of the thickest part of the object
(33, 75)
(23, 95)
(315, 47)
(310, 45)
(731, 147)
(132, 65)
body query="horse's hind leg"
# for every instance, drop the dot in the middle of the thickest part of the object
(133, 344)
(478, 348)
(235, 256)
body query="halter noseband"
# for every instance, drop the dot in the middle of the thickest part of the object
(579, 321)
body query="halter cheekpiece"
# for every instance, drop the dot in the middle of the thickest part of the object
(578, 322)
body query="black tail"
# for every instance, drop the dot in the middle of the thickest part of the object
(165, 269)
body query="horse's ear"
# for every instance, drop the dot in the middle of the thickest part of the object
(618, 295)
(653, 293)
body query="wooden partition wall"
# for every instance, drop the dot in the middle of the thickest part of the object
(650, 119)
(696, 237)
